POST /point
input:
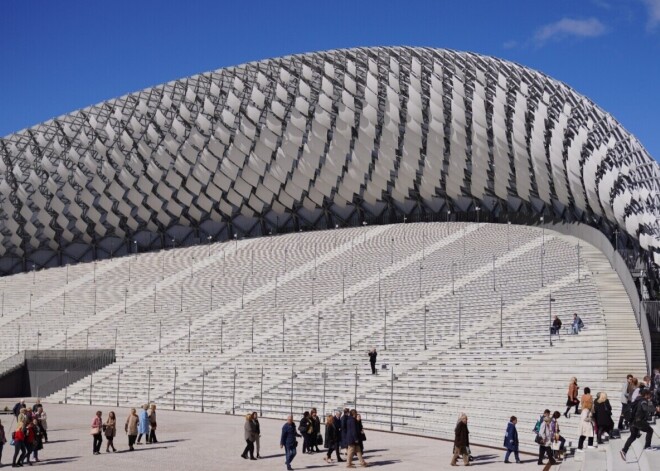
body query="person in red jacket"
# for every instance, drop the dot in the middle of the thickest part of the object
(30, 441)
(19, 444)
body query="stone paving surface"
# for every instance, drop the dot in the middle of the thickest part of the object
(195, 441)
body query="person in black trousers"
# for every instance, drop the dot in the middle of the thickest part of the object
(337, 423)
(331, 438)
(316, 429)
(250, 437)
(306, 429)
(643, 409)
(372, 359)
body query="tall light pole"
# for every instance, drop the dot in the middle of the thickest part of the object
(379, 275)
(421, 267)
(460, 343)
(501, 320)
(261, 393)
(211, 298)
(453, 269)
(385, 329)
(578, 261)
(393, 378)
(318, 331)
(350, 330)
(426, 311)
(282, 332)
(160, 334)
(174, 391)
(550, 301)
(324, 375)
(293, 376)
(149, 385)
(494, 273)
(222, 328)
(203, 384)
(189, 329)
(252, 336)
(392, 252)
(154, 297)
(313, 285)
(343, 281)
(355, 391)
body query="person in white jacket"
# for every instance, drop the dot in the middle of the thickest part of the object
(546, 437)
(586, 429)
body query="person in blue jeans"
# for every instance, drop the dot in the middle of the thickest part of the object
(511, 440)
(288, 441)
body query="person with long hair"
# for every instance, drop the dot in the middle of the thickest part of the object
(461, 441)
(603, 415)
(97, 429)
(331, 437)
(110, 432)
(250, 437)
(572, 396)
(131, 428)
(152, 424)
(143, 426)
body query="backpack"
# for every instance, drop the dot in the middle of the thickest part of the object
(630, 412)
(537, 427)
(302, 428)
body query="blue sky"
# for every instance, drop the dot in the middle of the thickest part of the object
(59, 56)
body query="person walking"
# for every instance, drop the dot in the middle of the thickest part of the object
(257, 426)
(331, 438)
(17, 408)
(572, 396)
(110, 429)
(306, 429)
(556, 432)
(19, 444)
(373, 355)
(152, 424)
(250, 437)
(511, 440)
(586, 428)
(587, 400)
(3, 440)
(603, 416)
(288, 441)
(97, 428)
(143, 426)
(625, 401)
(131, 428)
(30, 441)
(38, 441)
(353, 440)
(642, 409)
(316, 429)
(544, 439)
(461, 441)
(361, 434)
(43, 423)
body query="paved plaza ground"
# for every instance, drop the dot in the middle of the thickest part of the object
(195, 441)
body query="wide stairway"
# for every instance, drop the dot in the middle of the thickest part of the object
(459, 314)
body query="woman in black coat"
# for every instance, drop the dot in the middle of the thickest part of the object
(603, 414)
(331, 438)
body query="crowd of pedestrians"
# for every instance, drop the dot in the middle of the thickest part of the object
(29, 434)
(136, 426)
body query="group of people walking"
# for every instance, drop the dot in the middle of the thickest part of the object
(29, 435)
(136, 426)
(341, 432)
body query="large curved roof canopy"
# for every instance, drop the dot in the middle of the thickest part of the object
(319, 137)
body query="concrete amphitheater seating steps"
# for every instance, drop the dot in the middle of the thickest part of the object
(204, 301)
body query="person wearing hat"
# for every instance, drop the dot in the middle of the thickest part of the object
(642, 410)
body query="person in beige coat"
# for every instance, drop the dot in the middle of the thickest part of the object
(586, 429)
(131, 428)
(250, 429)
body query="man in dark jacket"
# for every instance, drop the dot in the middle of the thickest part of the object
(337, 423)
(288, 441)
(642, 410)
(17, 408)
(373, 354)
(316, 429)
(352, 440)
(342, 428)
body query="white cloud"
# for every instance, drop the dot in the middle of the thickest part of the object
(569, 27)
(510, 44)
(654, 13)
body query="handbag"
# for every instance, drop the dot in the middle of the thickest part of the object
(363, 437)
(319, 439)
(555, 446)
(94, 431)
(539, 440)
